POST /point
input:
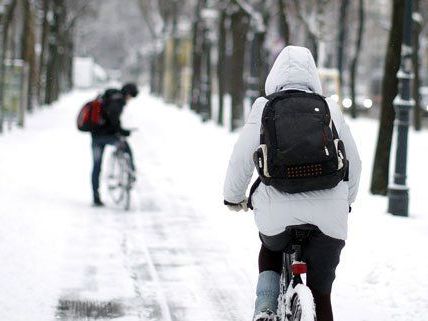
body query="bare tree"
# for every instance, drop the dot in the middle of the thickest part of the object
(380, 174)
(355, 59)
(284, 26)
(312, 14)
(44, 32)
(221, 61)
(239, 29)
(6, 21)
(341, 41)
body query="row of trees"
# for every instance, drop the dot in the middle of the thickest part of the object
(243, 37)
(40, 34)
(234, 41)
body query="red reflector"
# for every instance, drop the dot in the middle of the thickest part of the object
(299, 268)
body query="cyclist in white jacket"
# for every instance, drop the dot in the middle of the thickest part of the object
(294, 69)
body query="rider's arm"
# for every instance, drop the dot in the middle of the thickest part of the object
(241, 166)
(351, 153)
(354, 162)
(113, 112)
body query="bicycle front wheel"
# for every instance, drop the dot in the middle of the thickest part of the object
(302, 304)
(127, 181)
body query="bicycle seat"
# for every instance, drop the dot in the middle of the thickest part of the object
(299, 234)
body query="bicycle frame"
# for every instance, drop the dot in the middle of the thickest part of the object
(291, 283)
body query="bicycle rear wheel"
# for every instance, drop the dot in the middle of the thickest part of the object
(302, 304)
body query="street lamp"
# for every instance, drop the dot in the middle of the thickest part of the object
(398, 192)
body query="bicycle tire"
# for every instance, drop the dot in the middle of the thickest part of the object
(127, 181)
(116, 177)
(302, 304)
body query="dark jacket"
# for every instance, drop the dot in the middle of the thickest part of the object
(112, 106)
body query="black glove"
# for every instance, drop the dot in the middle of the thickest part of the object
(125, 132)
(236, 207)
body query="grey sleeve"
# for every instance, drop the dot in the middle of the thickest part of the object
(241, 166)
(351, 153)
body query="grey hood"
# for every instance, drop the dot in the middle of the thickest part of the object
(294, 69)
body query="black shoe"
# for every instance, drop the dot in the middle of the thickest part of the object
(97, 202)
(132, 178)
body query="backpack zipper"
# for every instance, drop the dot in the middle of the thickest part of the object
(326, 151)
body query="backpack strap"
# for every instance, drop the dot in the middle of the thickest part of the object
(252, 190)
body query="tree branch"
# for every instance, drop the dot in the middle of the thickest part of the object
(255, 15)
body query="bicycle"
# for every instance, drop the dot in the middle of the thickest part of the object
(121, 176)
(295, 301)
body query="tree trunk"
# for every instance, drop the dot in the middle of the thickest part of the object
(221, 64)
(284, 28)
(205, 93)
(197, 43)
(341, 41)
(62, 48)
(42, 58)
(161, 71)
(28, 51)
(153, 73)
(240, 24)
(176, 79)
(5, 23)
(417, 114)
(53, 65)
(68, 59)
(354, 63)
(380, 174)
(257, 60)
(313, 45)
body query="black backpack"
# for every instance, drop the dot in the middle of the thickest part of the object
(300, 149)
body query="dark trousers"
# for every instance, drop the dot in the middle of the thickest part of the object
(98, 146)
(321, 254)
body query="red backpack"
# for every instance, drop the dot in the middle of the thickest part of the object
(90, 116)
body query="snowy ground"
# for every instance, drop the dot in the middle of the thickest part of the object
(178, 255)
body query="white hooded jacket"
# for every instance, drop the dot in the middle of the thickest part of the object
(274, 211)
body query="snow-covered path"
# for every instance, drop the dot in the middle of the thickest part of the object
(178, 255)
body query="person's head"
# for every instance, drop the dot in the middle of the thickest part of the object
(294, 68)
(129, 91)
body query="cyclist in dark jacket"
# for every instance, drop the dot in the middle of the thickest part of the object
(114, 101)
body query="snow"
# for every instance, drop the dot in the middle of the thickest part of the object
(179, 254)
(306, 300)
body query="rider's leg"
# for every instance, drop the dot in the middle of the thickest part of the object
(268, 282)
(322, 255)
(97, 154)
(323, 306)
(127, 149)
(270, 266)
